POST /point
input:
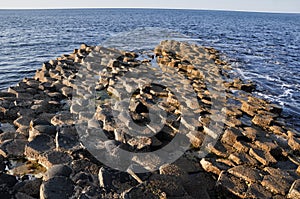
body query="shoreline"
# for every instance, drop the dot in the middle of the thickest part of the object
(256, 156)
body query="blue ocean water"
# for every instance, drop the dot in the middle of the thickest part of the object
(262, 47)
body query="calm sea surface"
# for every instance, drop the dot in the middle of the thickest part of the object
(262, 47)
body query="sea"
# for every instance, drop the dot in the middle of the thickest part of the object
(261, 47)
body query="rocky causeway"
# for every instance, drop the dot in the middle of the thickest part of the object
(248, 150)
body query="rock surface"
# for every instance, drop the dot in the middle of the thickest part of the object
(255, 156)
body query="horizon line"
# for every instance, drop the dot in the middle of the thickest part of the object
(162, 8)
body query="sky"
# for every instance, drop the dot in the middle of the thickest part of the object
(241, 5)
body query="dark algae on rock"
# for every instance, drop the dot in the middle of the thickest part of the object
(256, 156)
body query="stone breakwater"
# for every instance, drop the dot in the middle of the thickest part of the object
(256, 156)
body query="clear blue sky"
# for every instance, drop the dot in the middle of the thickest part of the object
(247, 5)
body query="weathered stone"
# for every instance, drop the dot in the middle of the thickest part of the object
(57, 170)
(7, 136)
(294, 190)
(276, 172)
(41, 129)
(246, 173)
(241, 146)
(262, 120)
(67, 91)
(22, 121)
(21, 195)
(7, 95)
(249, 108)
(294, 142)
(173, 170)
(188, 165)
(39, 145)
(67, 138)
(7, 180)
(196, 138)
(85, 165)
(242, 158)
(84, 179)
(38, 121)
(255, 191)
(52, 158)
(232, 184)
(63, 118)
(231, 136)
(170, 185)
(263, 157)
(115, 180)
(143, 191)
(209, 167)
(139, 142)
(276, 185)
(250, 133)
(13, 148)
(57, 187)
(2, 164)
(30, 187)
(149, 162)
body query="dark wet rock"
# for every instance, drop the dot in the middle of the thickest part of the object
(51, 158)
(29, 187)
(38, 121)
(2, 163)
(63, 118)
(39, 145)
(232, 185)
(200, 184)
(67, 138)
(7, 180)
(13, 148)
(41, 129)
(21, 195)
(85, 165)
(67, 91)
(84, 179)
(255, 190)
(141, 191)
(115, 180)
(22, 121)
(7, 95)
(7, 136)
(58, 170)
(294, 190)
(188, 165)
(170, 185)
(57, 187)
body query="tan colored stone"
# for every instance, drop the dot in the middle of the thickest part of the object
(262, 120)
(276, 185)
(263, 157)
(246, 173)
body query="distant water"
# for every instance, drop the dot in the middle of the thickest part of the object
(262, 47)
